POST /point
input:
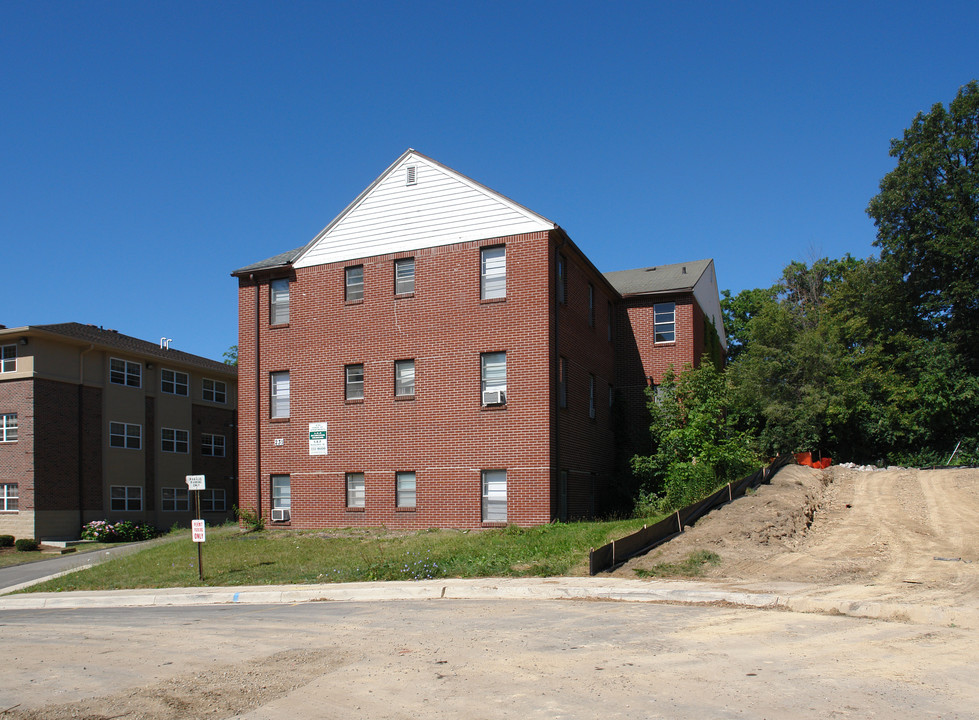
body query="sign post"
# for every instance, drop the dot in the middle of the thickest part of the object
(196, 483)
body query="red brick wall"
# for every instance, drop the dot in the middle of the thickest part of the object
(638, 358)
(17, 458)
(585, 447)
(443, 434)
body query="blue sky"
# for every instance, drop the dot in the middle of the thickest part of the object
(149, 149)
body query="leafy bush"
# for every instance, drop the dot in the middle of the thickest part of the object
(6, 540)
(250, 519)
(122, 531)
(27, 544)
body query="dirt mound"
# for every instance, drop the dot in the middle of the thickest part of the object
(899, 533)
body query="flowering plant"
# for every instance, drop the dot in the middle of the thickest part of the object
(122, 531)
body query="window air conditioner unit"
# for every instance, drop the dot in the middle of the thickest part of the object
(280, 515)
(494, 397)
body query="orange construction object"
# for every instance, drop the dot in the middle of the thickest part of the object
(804, 458)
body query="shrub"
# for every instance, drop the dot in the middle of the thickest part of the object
(6, 540)
(27, 544)
(122, 531)
(250, 519)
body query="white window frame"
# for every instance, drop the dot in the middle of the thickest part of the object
(356, 485)
(8, 427)
(405, 484)
(562, 383)
(492, 272)
(212, 445)
(279, 301)
(491, 377)
(494, 495)
(174, 440)
(174, 382)
(664, 322)
(131, 498)
(8, 358)
(279, 394)
(404, 276)
(404, 378)
(217, 392)
(9, 497)
(353, 283)
(174, 499)
(131, 435)
(214, 500)
(591, 396)
(130, 374)
(562, 279)
(353, 381)
(591, 305)
(281, 492)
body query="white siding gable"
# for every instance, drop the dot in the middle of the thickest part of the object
(705, 292)
(441, 207)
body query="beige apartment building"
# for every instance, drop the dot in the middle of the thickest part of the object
(97, 425)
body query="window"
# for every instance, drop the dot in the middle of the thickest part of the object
(123, 372)
(176, 500)
(494, 495)
(404, 378)
(8, 497)
(125, 435)
(492, 273)
(214, 500)
(405, 489)
(664, 322)
(125, 498)
(175, 441)
(280, 394)
(591, 396)
(354, 287)
(212, 445)
(591, 305)
(562, 279)
(562, 384)
(8, 427)
(214, 391)
(174, 382)
(404, 276)
(281, 492)
(279, 301)
(610, 321)
(354, 382)
(611, 396)
(8, 358)
(493, 378)
(355, 490)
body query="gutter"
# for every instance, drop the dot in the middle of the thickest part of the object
(258, 402)
(556, 368)
(81, 436)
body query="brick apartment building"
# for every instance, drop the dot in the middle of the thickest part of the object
(441, 356)
(98, 425)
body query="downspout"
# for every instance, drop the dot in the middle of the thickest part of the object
(258, 402)
(556, 404)
(81, 436)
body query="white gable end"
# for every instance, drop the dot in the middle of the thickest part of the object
(440, 207)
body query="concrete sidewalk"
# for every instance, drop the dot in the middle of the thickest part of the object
(795, 599)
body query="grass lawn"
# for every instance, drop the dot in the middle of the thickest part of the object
(301, 557)
(13, 556)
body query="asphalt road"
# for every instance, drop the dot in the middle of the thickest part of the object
(20, 574)
(479, 659)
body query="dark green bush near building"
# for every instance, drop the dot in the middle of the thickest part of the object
(27, 544)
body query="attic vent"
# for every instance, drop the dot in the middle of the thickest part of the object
(684, 270)
(650, 269)
(411, 175)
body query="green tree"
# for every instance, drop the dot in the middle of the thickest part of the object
(231, 355)
(927, 218)
(697, 446)
(738, 310)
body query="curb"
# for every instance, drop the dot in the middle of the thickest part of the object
(663, 592)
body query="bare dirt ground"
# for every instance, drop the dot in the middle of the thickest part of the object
(898, 535)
